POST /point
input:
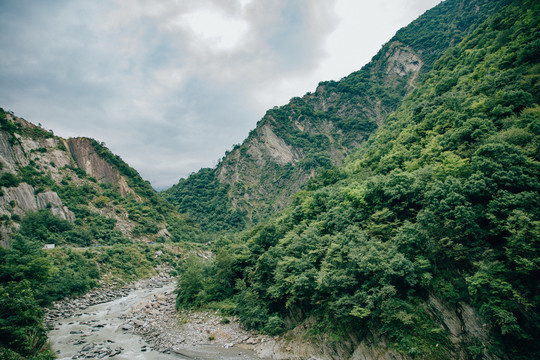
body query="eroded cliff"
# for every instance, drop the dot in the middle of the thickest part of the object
(40, 171)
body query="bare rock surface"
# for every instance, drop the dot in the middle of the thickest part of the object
(139, 321)
(183, 332)
(68, 307)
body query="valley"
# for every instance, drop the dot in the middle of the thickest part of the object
(133, 327)
(393, 214)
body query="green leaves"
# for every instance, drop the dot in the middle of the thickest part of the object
(20, 314)
(500, 301)
(206, 200)
(441, 201)
(190, 288)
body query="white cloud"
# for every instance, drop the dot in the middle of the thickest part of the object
(213, 29)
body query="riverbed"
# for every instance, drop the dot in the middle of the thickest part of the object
(110, 330)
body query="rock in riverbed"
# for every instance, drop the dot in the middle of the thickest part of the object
(66, 308)
(158, 322)
(98, 351)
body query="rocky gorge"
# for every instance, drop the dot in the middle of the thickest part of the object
(139, 321)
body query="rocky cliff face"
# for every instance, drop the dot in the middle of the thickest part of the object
(87, 159)
(35, 165)
(17, 152)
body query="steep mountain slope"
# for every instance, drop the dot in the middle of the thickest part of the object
(97, 211)
(425, 245)
(78, 180)
(293, 143)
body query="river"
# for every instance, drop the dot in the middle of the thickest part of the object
(100, 331)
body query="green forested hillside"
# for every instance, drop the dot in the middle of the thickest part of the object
(207, 201)
(440, 205)
(294, 142)
(100, 221)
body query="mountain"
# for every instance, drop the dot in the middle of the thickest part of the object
(105, 224)
(391, 214)
(424, 244)
(81, 181)
(293, 143)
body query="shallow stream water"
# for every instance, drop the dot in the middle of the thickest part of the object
(97, 333)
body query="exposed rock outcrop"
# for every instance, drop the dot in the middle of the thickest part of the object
(401, 61)
(11, 153)
(51, 200)
(275, 147)
(462, 323)
(22, 199)
(87, 159)
(41, 163)
(95, 166)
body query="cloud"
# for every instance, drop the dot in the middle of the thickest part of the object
(171, 85)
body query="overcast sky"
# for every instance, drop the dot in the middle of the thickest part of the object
(171, 85)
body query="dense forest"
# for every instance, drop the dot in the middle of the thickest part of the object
(440, 204)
